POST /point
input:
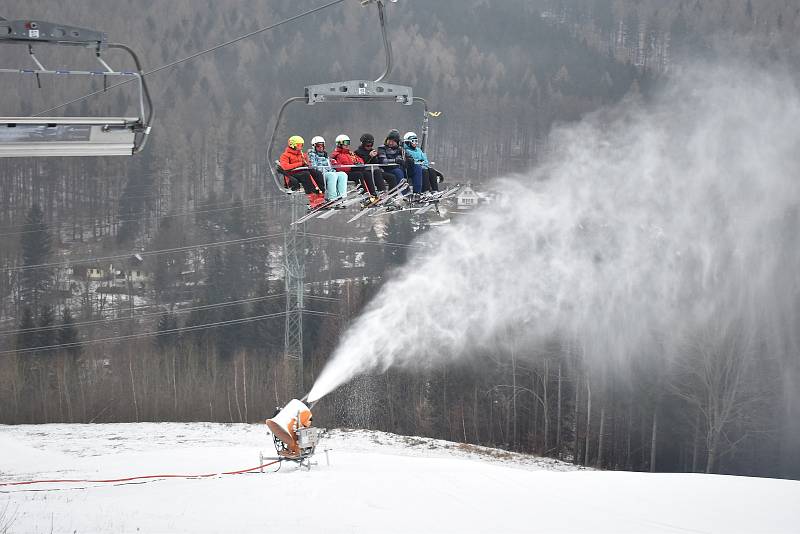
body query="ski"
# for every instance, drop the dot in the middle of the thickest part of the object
(328, 204)
(345, 203)
(392, 193)
(438, 196)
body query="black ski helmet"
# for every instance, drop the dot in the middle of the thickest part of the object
(367, 138)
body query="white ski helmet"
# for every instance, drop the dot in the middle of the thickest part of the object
(410, 137)
(317, 139)
(341, 138)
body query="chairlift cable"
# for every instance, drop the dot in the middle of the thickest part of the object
(197, 54)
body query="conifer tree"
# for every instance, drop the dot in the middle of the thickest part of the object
(36, 244)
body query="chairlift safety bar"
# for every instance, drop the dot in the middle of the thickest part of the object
(63, 72)
(72, 136)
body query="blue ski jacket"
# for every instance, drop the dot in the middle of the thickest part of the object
(320, 161)
(419, 157)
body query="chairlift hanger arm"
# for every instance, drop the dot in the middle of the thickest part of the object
(270, 159)
(145, 92)
(387, 45)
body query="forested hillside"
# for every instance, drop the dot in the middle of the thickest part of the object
(97, 255)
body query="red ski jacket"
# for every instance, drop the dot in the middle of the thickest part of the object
(344, 156)
(293, 158)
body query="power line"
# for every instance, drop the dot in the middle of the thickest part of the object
(67, 226)
(159, 333)
(365, 241)
(143, 254)
(4, 333)
(141, 316)
(203, 245)
(198, 54)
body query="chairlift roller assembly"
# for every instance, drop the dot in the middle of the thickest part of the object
(72, 136)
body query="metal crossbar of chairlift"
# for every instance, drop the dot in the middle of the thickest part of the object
(72, 136)
(353, 91)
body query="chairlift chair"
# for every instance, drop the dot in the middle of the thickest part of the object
(72, 136)
(350, 91)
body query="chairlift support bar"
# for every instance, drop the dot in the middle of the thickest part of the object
(72, 136)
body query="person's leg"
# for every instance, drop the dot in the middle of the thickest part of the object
(331, 187)
(426, 180)
(415, 175)
(310, 187)
(359, 178)
(318, 178)
(370, 183)
(305, 180)
(341, 189)
(398, 173)
(435, 178)
(379, 180)
(388, 178)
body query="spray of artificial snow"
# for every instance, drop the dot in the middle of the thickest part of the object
(646, 222)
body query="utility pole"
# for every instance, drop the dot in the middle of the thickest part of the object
(294, 249)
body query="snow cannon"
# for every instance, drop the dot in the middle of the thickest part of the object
(295, 438)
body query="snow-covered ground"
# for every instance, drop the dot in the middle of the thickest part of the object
(374, 482)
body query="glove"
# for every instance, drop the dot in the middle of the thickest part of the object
(399, 160)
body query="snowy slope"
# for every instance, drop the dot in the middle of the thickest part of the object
(375, 482)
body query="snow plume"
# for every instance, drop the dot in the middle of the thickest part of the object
(647, 221)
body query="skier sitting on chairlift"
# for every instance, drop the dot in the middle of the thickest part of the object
(335, 181)
(430, 176)
(346, 160)
(392, 152)
(311, 180)
(384, 180)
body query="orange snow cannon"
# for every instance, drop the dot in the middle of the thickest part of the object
(292, 432)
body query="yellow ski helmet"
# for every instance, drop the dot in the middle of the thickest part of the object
(296, 140)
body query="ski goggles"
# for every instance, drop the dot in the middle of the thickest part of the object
(345, 143)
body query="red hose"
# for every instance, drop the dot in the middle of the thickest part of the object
(66, 480)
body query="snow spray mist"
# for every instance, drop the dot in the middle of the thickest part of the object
(645, 221)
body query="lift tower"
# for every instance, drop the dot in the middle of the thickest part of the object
(294, 237)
